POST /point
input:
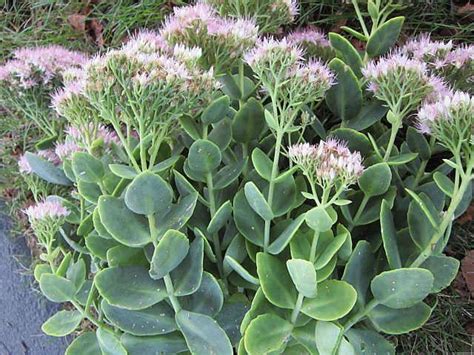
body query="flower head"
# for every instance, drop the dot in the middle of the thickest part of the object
(66, 150)
(399, 81)
(314, 42)
(46, 210)
(222, 40)
(269, 15)
(39, 66)
(425, 49)
(328, 163)
(450, 120)
(23, 166)
(269, 51)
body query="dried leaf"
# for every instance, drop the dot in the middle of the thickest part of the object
(77, 21)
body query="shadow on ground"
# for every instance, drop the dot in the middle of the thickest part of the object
(22, 309)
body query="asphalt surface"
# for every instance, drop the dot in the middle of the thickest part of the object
(22, 308)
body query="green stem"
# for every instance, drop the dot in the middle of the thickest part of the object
(391, 142)
(359, 315)
(447, 219)
(276, 158)
(170, 290)
(360, 18)
(215, 236)
(312, 255)
(297, 309)
(361, 209)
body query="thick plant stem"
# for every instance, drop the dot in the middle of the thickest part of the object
(360, 315)
(170, 290)
(276, 158)
(447, 219)
(297, 309)
(215, 237)
(391, 142)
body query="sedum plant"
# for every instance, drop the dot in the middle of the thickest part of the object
(269, 15)
(28, 79)
(222, 202)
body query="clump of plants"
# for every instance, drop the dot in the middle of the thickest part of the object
(229, 193)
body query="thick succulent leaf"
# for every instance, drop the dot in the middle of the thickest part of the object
(328, 339)
(109, 343)
(171, 343)
(303, 275)
(208, 299)
(400, 321)
(369, 342)
(275, 281)
(85, 344)
(384, 37)
(247, 221)
(334, 300)
(202, 333)
(402, 288)
(344, 99)
(125, 226)
(46, 170)
(266, 333)
(204, 156)
(169, 253)
(62, 323)
(129, 287)
(444, 269)
(148, 194)
(188, 275)
(57, 288)
(359, 270)
(376, 179)
(154, 320)
(389, 236)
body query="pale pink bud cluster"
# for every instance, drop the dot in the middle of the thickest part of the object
(269, 50)
(46, 210)
(222, 40)
(450, 120)
(62, 99)
(147, 42)
(400, 81)
(23, 165)
(329, 162)
(425, 49)
(39, 66)
(270, 15)
(313, 40)
(91, 132)
(66, 149)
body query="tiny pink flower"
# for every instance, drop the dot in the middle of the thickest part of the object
(46, 210)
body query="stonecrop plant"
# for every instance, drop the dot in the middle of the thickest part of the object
(226, 191)
(28, 80)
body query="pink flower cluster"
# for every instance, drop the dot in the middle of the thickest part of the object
(40, 65)
(46, 210)
(61, 98)
(222, 40)
(452, 114)
(66, 149)
(308, 37)
(328, 162)
(269, 49)
(438, 54)
(269, 15)
(78, 134)
(279, 63)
